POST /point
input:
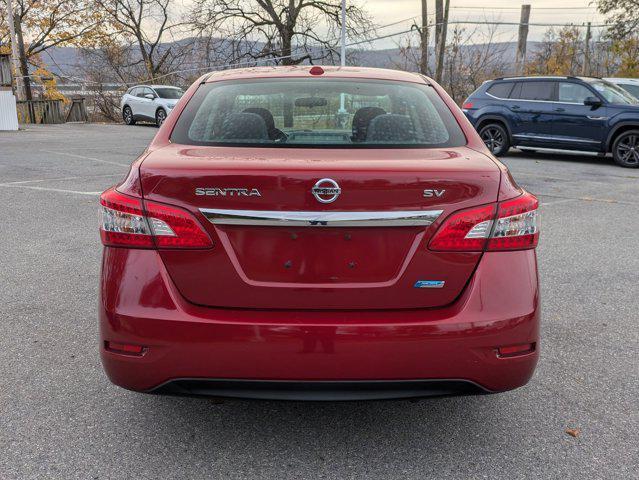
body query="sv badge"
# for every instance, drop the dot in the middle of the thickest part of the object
(429, 193)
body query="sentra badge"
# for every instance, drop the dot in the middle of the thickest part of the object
(228, 192)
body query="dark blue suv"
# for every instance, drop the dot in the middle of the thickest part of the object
(570, 113)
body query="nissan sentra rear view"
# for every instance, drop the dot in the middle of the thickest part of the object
(318, 233)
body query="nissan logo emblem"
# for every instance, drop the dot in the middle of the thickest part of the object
(326, 190)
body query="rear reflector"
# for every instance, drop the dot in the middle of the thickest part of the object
(124, 348)
(516, 350)
(125, 223)
(515, 228)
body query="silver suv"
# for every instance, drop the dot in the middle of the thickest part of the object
(149, 103)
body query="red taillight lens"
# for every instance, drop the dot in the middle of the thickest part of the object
(467, 105)
(517, 225)
(126, 224)
(175, 228)
(476, 229)
(465, 231)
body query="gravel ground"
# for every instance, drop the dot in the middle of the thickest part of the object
(61, 418)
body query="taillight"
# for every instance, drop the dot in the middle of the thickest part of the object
(126, 224)
(515, 228)
(123, 222)
(467, 105)
(465, 230)
(517, 225)
(175, 228)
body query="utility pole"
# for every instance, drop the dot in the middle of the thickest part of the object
(15, 57)
(586, 66)
(343, 52)
(441, 45)
(342, 114)
(423, 35)
(439, 20)
(520, 59)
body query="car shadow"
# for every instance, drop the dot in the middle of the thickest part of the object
(332, 432)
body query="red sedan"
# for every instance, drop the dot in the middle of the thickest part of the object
(318, 233)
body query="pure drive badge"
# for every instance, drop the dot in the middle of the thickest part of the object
(228, 192)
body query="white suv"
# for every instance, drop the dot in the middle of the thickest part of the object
(630, 85)
(149, 102)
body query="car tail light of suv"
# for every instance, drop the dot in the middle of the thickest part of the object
(476, 229)
(126, 222)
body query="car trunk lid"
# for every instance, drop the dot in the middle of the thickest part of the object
(278, 245)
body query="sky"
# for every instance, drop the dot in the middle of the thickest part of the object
(542, 11)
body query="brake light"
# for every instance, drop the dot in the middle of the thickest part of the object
(126, 224)
(465, 231)
(175, 228)
(467, 105)
(515, 228)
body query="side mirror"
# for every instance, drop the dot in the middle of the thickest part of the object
(150, 96)
(593, 102)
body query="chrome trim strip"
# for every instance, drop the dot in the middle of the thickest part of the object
(404, 218)
(539, 137)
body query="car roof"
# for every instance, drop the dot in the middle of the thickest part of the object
(155, 86)
(621, 80)
(304, 71)
(544, 77)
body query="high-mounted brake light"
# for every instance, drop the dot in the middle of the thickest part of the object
(515, 228)
(126, 224)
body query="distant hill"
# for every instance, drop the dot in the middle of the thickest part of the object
(67, 61)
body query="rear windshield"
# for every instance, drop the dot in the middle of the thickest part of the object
(317, 113)
(170, 93)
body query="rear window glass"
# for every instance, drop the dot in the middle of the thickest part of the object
(543, 91)
(170, 93)
(500, 90)
(632, 89)
(317, 113)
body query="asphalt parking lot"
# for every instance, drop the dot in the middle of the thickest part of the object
(61, 418)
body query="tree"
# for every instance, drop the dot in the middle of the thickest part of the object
(559, 53)
(622, 14)
(143, 26)
(51, 23)
(44, 25)
(289, 32)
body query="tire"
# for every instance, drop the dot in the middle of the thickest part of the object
(127, 116)
(625, 149)
(495, 138)
(160, 116)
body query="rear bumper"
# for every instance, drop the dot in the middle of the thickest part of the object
(318, 354)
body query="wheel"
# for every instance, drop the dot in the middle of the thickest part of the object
(496, 138)
(127, 115)
(625, 149)
(160, 116)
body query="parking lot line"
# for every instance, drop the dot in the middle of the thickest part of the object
(46, 189)
(59, 179)
(83, 157)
